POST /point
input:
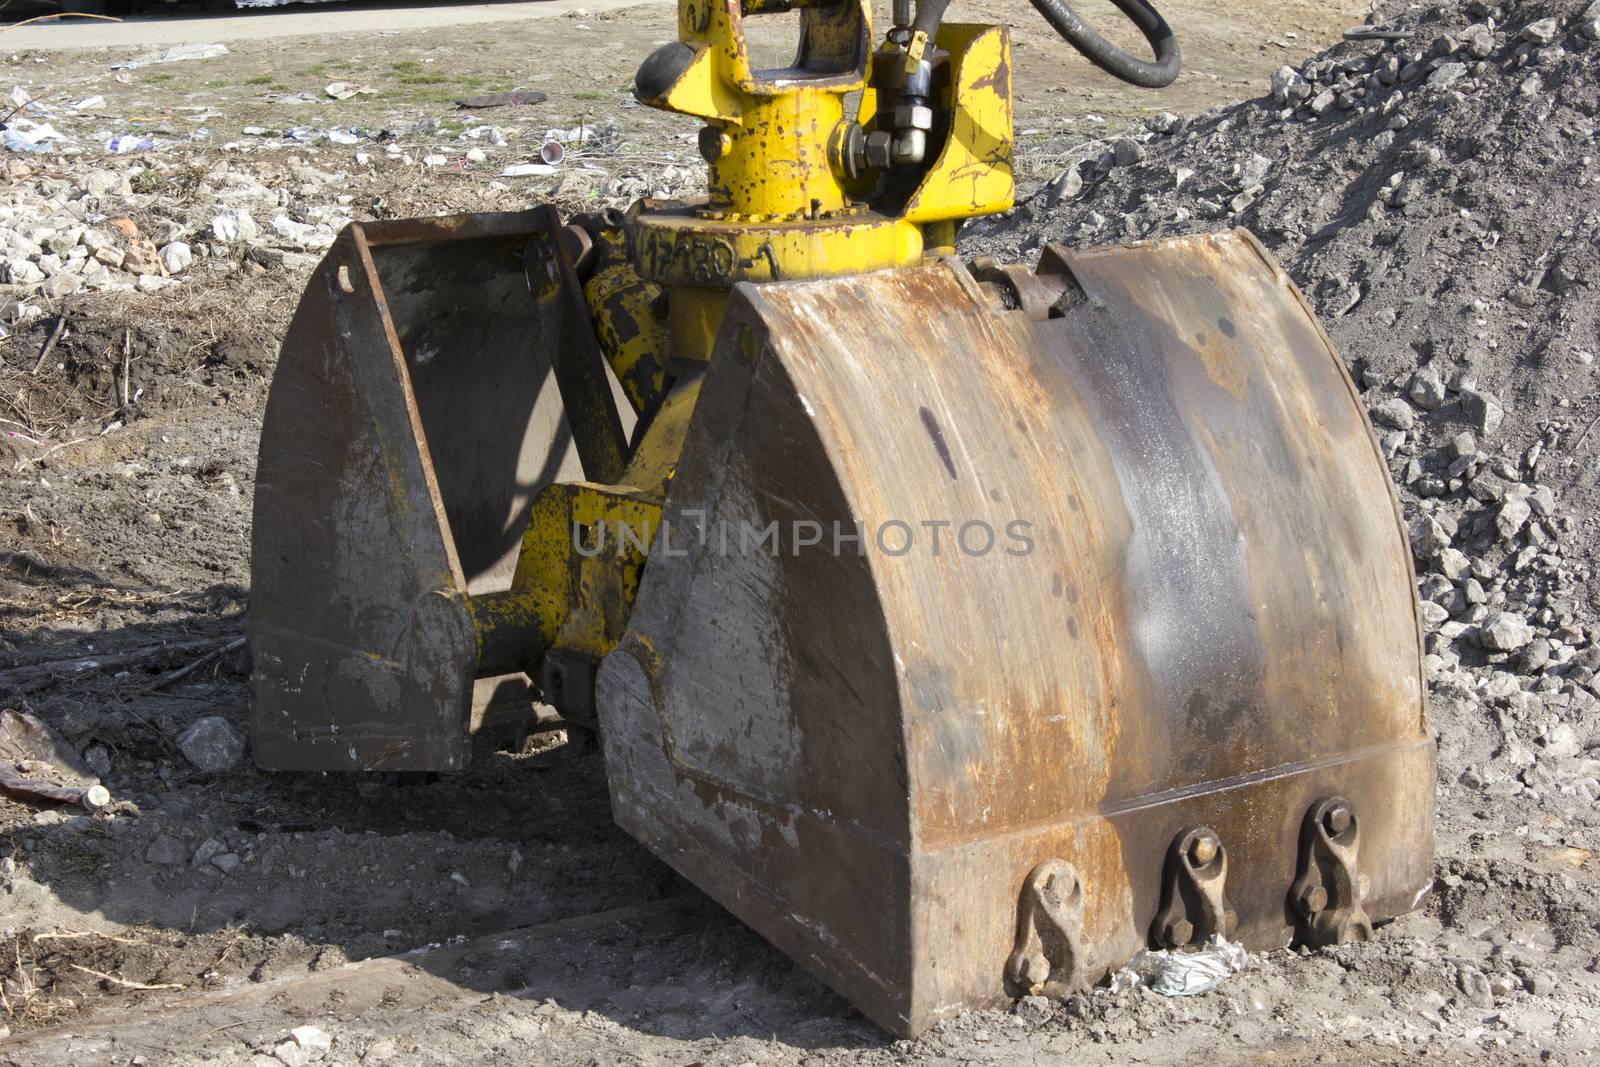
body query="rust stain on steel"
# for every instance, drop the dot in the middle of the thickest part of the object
(863, 756)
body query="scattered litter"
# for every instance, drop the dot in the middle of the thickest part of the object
(19, 96)
(1184, 973)
(36, 763)
(346, 90)
(503, 99)
(527, 170)
(577, 133)
(25, 135)
(552, 152)
(495, 134)
(90, 103)
(173, 55)
(127, 142)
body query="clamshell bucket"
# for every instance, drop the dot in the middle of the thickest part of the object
(414, 415)
(998, 629)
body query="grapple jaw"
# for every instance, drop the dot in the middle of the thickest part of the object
(413, 417)
(1083, 621)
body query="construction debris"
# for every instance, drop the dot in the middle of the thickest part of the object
(36, 764)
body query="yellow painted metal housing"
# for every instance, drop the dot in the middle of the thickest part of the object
(781, 206)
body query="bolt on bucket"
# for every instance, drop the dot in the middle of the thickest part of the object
(1014, 622)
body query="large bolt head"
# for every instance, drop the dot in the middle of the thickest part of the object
(1177, 933)
(913, 117)
(1204, 848)
(1338, 818)
(1313, 898)
(879, 147)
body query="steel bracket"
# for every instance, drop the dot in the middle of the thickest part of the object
(1194, 906)
(1049, 953)
(567, 680)
(1326, 894)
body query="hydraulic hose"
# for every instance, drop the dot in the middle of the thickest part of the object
(1107, 56)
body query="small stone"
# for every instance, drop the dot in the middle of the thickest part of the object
(211, 744)
(98, 759)
(1478, 41)
(1163, 122)
(1288, 86)
(1589, 26)
(62, 285)
(231, 226)
(1426, 389)
(1428, 537)
(1505, 632)
(23, 272)
(1474, 986)
(311, 1038)
(1542, 32)
(1067, 186)
(292, 1055)
(1395, 412)
(1434, 614)
(150, 283)
(95, 240)
(1560, 740)
(1543, 501)
(209, 849)
(1323, 101)
(1126, 152)
(476, 155)
(110, 255)
(141, 258)
(1511, 518)
(1454, 564)
(167, 851)
(1463, 446)
(1484, 410)
(1447, 74)
(1034, 1011)
(226, 862)
(1539, 983)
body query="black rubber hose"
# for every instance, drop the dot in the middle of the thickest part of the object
(1107, 56)
(929, 14)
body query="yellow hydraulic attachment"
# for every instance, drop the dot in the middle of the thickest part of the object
(797, 190)
(964, 628)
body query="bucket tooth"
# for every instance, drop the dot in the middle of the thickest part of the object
(1173, 591)
(412, 420)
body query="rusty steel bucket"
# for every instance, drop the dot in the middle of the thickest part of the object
(1160, 679)
(414, 416)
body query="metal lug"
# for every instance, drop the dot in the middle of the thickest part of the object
(1194, 906)
(1327, 891)
(1048, 957)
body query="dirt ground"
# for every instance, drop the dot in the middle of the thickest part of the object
(500, 915)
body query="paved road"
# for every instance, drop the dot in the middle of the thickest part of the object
(295, 21)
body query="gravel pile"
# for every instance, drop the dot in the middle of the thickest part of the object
(1433, 189)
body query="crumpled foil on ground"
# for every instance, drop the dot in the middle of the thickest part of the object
(1183, 973)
